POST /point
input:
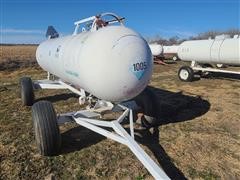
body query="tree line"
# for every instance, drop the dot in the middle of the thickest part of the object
(205, 35)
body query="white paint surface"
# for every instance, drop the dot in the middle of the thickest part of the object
(101, 61)
(221, 50)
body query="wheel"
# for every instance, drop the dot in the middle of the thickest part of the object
(174, 58)
(47, 135)
(27, 94)
(146, 100)
(219, 65)
(186, 74)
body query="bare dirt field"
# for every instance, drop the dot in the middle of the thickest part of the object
(198, 136)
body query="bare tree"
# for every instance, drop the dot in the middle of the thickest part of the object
(204, 35)
(173, 40)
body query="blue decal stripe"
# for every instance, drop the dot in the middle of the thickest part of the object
(72, 73)
(139, 74)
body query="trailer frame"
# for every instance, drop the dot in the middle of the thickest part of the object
(90, 119)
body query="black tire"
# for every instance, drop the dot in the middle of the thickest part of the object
(27, 93)
(186, 74)
(147, 101)
(47, 134)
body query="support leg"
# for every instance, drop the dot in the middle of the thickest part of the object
(131, 123)
(48, 75)
(151, 166)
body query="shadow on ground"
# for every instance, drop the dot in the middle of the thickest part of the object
(219, 75)
(169, 107)
(151, 140)
(57, 97)
(78, 138)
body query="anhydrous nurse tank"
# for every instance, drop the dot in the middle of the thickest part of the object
(170, 49)
(222, 50)
(170, 52)
(113, 63)
(156, 49)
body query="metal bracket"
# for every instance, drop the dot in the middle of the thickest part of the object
(93, 20)
(193, 63)
(195, 66)
(86, 119)
(214, 70)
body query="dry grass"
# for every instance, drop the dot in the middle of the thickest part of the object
(12, 57)
(197, 138)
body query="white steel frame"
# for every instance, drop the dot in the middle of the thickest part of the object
(93, 18)
(196, 67)
(88, 119)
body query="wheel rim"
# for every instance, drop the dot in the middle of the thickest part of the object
(219, 65)
(184, 74)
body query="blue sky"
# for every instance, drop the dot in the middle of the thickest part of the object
(26, 21)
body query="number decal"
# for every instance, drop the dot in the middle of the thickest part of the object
(140, 66)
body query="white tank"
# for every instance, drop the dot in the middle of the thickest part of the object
(113, 63)
(156, 49)
(221, 50)
(170, 49)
